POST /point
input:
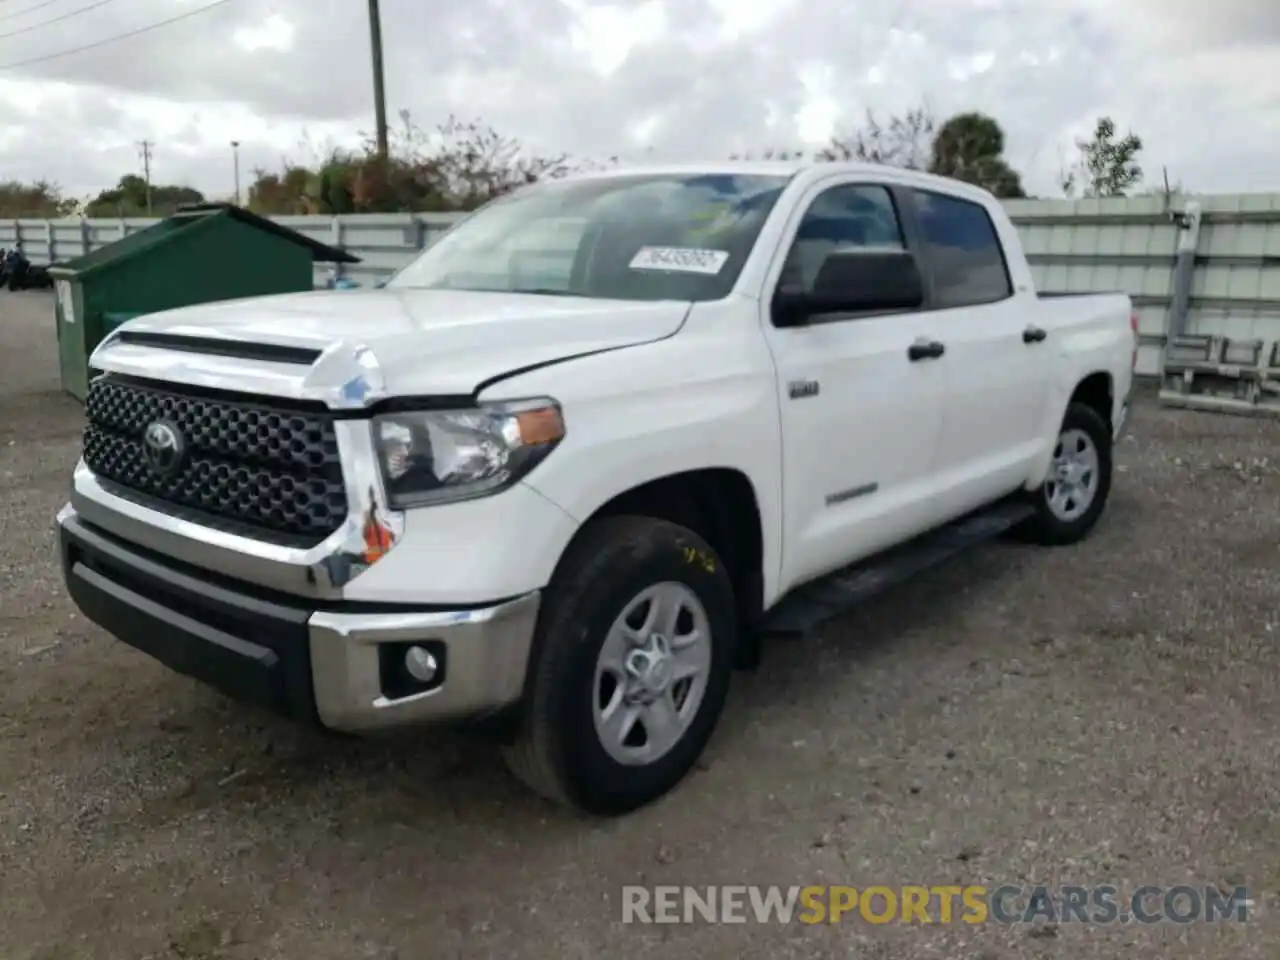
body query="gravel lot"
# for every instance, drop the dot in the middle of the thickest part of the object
(1102, 714)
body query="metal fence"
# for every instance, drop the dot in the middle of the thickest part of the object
(384, 242)
(1204, 275)
(1210, 266)
(1225, 284)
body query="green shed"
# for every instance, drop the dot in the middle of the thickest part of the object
(203, 253)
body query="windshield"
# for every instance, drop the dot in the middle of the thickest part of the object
(641, 237)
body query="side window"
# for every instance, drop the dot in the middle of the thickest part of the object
(963, 251)
(844, 218)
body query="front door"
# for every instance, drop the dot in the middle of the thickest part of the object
(860, 418)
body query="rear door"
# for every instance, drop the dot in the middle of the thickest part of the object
(860, 418)
(997, 360)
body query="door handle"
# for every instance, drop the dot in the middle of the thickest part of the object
(925, 350)
(1033, 335)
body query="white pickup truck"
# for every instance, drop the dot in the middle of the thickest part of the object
(560, 474)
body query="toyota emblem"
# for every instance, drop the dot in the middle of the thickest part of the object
(163, 447)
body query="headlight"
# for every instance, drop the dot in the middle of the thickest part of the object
(437, 456)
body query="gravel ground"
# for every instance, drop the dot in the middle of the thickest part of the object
(1096, 715)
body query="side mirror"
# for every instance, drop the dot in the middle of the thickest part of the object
(854, 281)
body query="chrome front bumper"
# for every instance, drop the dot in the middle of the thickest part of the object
(329, 665)
(484, 664)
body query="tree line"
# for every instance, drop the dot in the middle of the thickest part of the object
(460, 165)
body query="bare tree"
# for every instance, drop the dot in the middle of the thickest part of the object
(458, 165)
(906, 140)
(781, 155)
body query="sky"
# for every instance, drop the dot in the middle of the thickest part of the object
(660, 80)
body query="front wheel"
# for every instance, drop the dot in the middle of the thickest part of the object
(631, 667)
(1073, 495)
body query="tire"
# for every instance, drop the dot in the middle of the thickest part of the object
(1058, 521)
(559, 749)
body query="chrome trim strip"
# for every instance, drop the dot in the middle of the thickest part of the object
(346, 376)
(206, 370)
(486, 660)
(320, 571)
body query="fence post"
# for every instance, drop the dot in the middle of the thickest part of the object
(335, 240)
(86, 237)
(1184, 269)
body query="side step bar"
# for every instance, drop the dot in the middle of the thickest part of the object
(812, 604)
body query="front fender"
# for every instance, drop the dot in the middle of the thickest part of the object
(699, 400)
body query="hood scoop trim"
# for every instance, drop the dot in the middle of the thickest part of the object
(221, 347)
(344, 376)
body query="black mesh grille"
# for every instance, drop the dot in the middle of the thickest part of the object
(261, 470)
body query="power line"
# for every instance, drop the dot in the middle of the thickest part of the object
(19, 13)
(57, 19)
(14, 65)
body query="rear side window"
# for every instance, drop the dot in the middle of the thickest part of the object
(963, 251)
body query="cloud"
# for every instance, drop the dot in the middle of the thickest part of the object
(662, 79)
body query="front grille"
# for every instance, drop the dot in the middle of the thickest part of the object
(248, 467)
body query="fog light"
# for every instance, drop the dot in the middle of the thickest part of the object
(420, 664)
(407, 668)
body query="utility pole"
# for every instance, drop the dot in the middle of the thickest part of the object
(379, 97)
(146, 146)
(235, 159)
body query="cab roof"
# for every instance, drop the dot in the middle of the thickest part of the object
(795, 170)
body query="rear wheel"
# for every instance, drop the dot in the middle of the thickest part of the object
(1074, 493)
(631, 667)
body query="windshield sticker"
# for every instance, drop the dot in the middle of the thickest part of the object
(680, 259)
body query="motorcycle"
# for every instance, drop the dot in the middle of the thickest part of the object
(21, 274)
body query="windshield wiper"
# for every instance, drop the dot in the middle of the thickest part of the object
(544, 291)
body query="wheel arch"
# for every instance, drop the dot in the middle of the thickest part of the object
(721, 505)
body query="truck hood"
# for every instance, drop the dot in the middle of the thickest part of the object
(424, 341)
